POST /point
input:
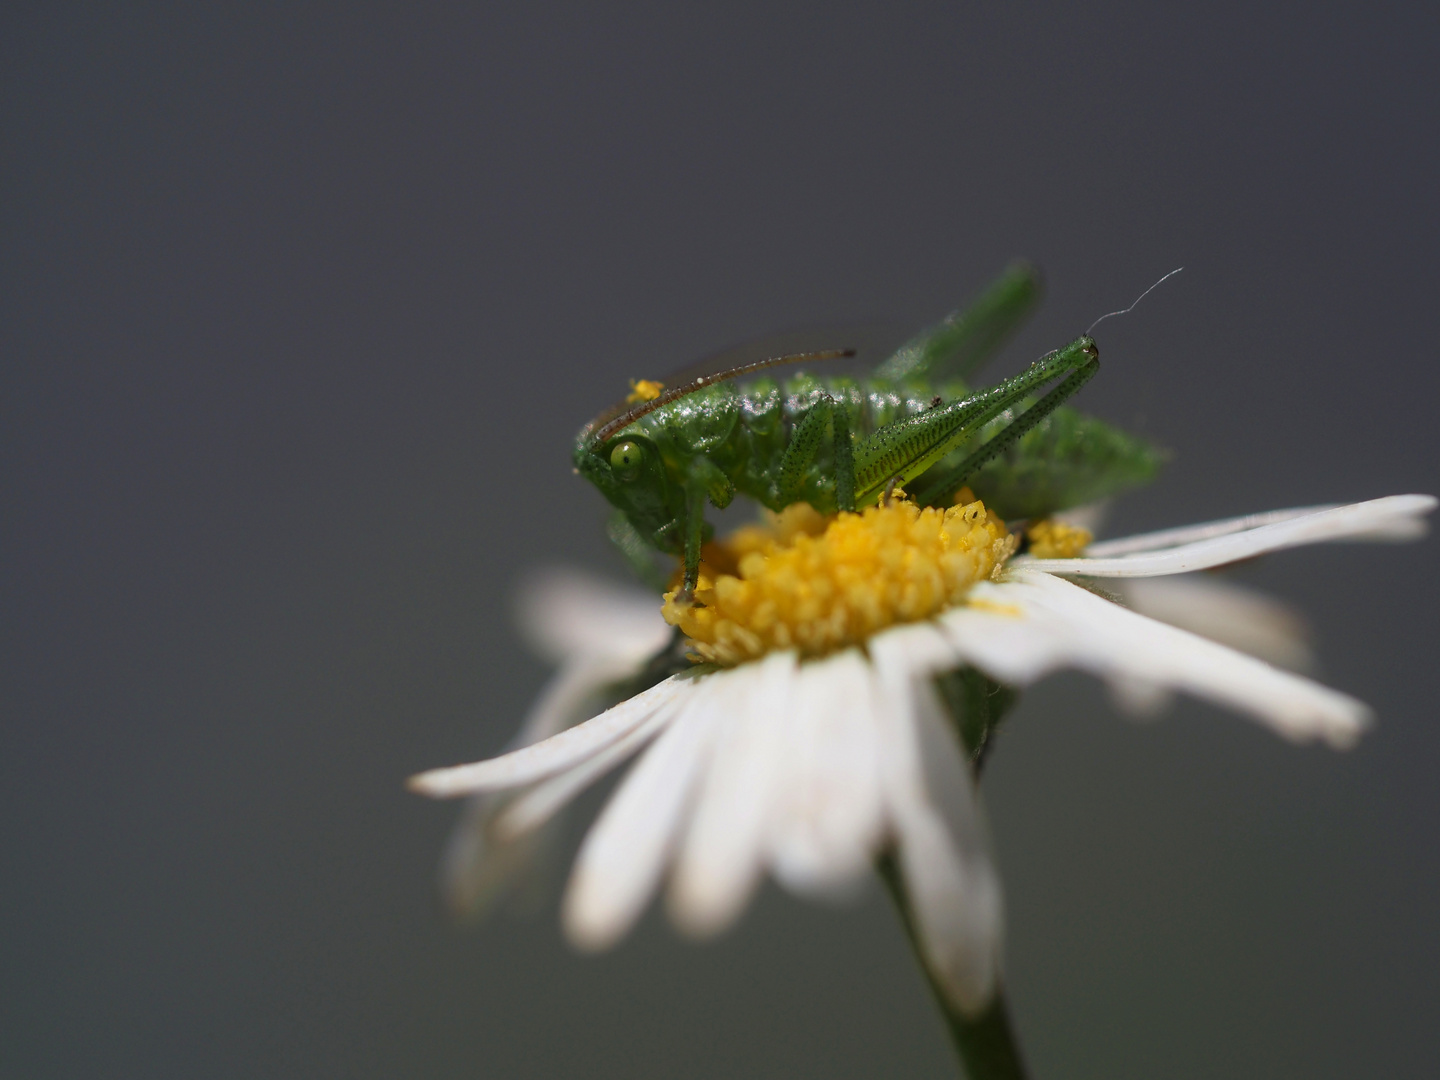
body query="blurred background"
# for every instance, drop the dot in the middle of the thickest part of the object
(301, 308)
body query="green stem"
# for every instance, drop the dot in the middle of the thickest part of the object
(985, 1044)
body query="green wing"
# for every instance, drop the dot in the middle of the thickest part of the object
(960, 344)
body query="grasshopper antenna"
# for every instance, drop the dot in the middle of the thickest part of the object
(1126, 311)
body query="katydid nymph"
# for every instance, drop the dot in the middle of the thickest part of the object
(841, 443)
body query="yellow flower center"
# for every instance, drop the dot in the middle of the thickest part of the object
(1050, 539)
(818, 584)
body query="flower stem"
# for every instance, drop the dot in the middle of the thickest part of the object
(985, 1044)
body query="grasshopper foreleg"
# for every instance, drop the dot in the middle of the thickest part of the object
(706, 481)
(694, 537)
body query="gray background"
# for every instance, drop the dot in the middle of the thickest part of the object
(301, 309)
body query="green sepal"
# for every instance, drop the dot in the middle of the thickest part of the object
(976, 705)
(1069, 459)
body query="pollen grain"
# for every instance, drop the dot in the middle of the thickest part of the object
(643, 390)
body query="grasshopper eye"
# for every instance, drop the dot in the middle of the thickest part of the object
(625, 459)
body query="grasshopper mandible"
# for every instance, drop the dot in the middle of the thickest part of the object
(843, 444)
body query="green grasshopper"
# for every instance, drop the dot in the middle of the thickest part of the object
(843, 444)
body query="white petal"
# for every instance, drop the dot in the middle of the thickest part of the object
(1397, 517)
(957, 906)
(920, 648)
(478, 865)
(1225, 612)
(828, 814)
(528, 811)
(563, 613)
(1056, 623)
(1400, 529)
(569, 693)
(997, 633)
(621, 860)
(721, 857)
(559, 752)
(1207, 530)
(953, 889)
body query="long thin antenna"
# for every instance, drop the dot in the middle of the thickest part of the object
(628, 417)
(1126, 311)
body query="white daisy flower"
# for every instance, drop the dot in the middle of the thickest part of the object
(812, 738)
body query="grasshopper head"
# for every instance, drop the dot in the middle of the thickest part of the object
(631, 474)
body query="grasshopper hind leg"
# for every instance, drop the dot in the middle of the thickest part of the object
(908, 449)
(942, 482)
